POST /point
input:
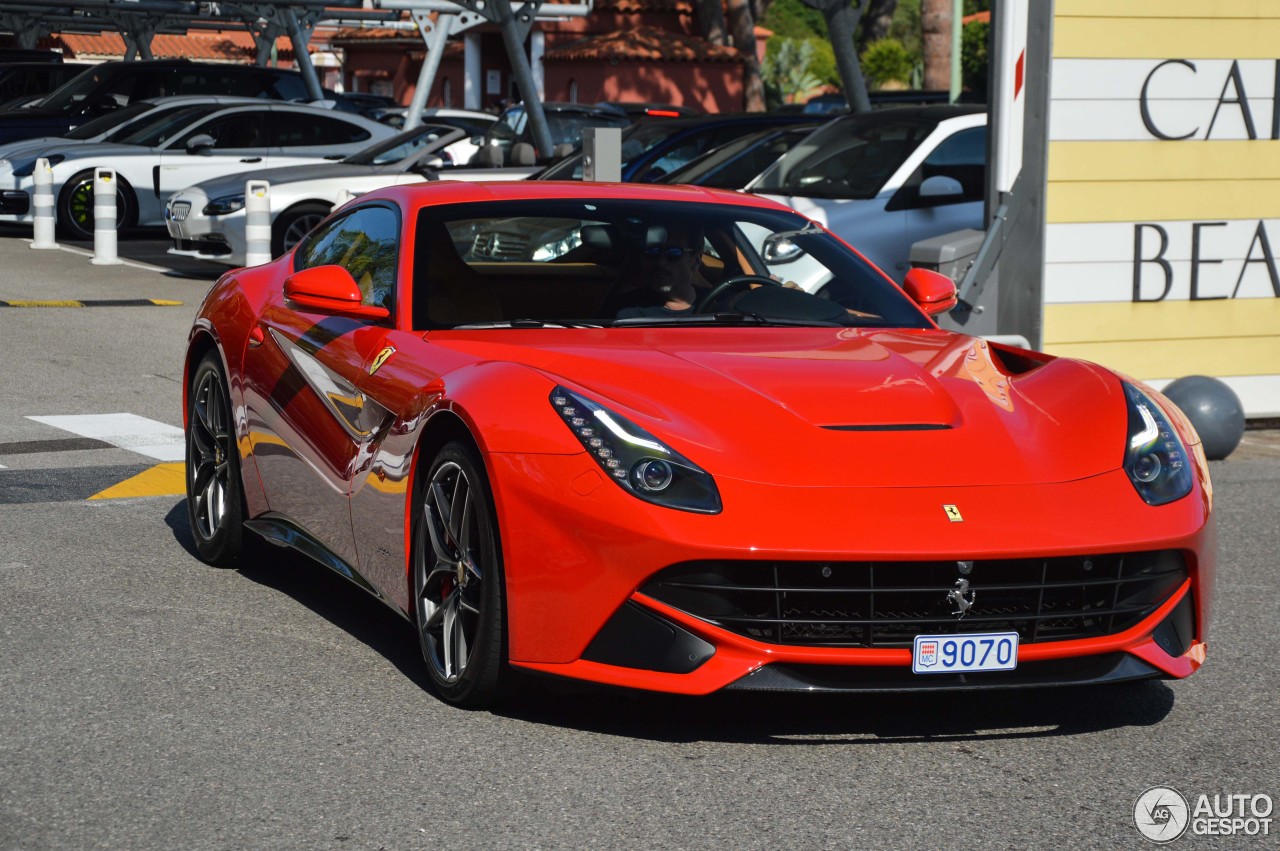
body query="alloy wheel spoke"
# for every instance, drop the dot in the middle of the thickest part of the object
(458, 510)
(450, 625)
(438, 547)
(442, 506)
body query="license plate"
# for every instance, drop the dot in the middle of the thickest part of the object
(949, 654)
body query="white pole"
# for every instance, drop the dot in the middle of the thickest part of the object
(257, 222)
(104, 218)
(42, 205)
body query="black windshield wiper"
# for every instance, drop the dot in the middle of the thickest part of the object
(526, 323)
(734, 318)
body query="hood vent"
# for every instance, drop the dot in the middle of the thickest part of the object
(890, 427)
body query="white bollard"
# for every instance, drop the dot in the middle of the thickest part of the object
(104, 218)
(42, 205)
(257, 222)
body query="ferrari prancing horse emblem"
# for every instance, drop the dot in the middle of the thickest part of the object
(381, 358)
(953, 513)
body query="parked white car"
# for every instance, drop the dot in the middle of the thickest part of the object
(194, 144)
(882, 181)
(474, 122)
(207, 221)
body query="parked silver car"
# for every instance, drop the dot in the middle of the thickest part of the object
(884, 180)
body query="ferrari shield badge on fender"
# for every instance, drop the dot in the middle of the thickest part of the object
(953, 513)
(381, 359)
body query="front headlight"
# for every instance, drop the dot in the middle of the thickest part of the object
(639, 462)
(27, 169)
(1154, 458)
(225, 204)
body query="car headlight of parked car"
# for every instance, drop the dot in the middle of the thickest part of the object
(225, 204)
(29, 168)
(1155, 458)
(559, 248)
(636, 460)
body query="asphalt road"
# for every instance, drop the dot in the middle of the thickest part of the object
(150, 701)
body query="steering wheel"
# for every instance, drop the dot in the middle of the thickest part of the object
(735, 283)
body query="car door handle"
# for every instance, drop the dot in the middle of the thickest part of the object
(251, 160)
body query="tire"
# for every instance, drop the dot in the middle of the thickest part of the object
(215, 502)
(293, 224)
(459, 598)
(75, 206)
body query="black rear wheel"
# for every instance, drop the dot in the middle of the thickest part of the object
(75, 206)
(215, 507)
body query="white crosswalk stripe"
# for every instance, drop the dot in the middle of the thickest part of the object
(127, 431)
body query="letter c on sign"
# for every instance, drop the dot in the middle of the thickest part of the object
(1146, 109)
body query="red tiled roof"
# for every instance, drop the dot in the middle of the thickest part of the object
(643, 44)
(631, 6)
(979, 17)
(228, 46)
(357, 35)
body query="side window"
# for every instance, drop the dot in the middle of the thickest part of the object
(298, 130)
(365, 243)
(962, 157)
(239, 130)
(289, 87)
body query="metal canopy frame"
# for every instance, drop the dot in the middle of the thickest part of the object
(139, 21)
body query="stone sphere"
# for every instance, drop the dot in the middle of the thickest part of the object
(1214, 409)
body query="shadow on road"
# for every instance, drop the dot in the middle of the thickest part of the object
(810, 719)
(779, 719)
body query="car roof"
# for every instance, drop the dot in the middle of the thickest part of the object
(927, 114)
(415, 196)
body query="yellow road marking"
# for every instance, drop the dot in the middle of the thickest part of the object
(160, 480)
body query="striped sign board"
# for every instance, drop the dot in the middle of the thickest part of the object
(1163, 201)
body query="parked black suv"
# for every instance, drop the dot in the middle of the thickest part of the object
(111, 85)
(29, 79)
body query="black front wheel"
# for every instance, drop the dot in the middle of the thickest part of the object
(295, 223)
(458, 581)
(75, 206)
(215, 507)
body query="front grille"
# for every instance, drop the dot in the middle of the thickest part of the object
(499, 245)
(204, 246)
(887, 604)
(178, 212)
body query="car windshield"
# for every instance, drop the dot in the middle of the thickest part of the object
(734, 165)
(157, 131)
(112, 120)
(848, 158)
(621, 263)
(74, 90)
(565, 127)
(637, 140)
(401, 145)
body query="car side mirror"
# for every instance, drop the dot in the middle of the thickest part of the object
(940, 189)
(201, 143)
(430, 163)
(778, 248)
(330, 289)
(933, 291)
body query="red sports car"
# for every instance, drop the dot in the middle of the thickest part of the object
(588, 430)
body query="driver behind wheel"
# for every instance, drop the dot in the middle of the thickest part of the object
(665, 280)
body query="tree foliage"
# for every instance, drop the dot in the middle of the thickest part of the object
(886, 62)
